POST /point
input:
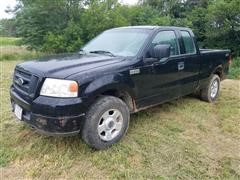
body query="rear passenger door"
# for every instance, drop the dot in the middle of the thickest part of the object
(191, 63)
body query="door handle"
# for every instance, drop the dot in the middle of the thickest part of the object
(180, 66)
(163, 60)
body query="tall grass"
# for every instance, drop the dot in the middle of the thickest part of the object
(234, 71)
(10, 49)
(17, 53)
(9, 41)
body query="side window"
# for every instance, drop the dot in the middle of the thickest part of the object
(167, 37)
(188, 42)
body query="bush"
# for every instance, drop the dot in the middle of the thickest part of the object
(234, 71)
(64, 25)
(68, 41)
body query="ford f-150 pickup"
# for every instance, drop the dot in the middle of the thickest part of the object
(121, 71)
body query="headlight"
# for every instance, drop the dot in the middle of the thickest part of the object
(59, 88)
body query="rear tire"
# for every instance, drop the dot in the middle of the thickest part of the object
(106, 122)
(211, 92)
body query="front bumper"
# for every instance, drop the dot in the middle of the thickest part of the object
(51, 116)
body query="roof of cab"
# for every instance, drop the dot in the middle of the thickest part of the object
(152, 27)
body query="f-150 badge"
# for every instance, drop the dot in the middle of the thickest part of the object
(134, 71)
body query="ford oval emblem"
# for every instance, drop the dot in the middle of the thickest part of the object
(20, 81)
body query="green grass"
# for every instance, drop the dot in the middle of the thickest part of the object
(9, 41)
(234, 71)
(182, 139)
(9, 53)
(11, 50)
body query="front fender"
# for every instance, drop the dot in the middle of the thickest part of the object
(110, 82)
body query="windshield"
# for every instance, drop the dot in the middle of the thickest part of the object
(119, 42)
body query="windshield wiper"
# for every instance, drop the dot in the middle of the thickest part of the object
(103, 52)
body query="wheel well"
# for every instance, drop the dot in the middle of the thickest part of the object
(219, 72)
(123, 95)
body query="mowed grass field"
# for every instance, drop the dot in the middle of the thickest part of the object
(183, 139)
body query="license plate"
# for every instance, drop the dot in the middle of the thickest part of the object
(18, 111)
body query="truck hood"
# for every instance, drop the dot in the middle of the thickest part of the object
(64, 65)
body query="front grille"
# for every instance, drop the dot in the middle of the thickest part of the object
(25, 82)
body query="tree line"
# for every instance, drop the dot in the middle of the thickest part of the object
(65, 25)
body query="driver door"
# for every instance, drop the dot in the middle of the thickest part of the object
(161, 79)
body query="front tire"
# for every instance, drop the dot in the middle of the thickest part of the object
(106, 122)
(211, 92)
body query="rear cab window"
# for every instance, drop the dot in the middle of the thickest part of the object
(188, 42)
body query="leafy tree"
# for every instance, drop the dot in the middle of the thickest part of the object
(172, 8)
(36, 19)
(223, 26)
(143, 15)
(101, 15)
(7, 27)
(198, 19)
(68, 40)
(190, 4)
(64, 25)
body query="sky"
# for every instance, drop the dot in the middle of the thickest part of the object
(11, 3)
(3, 5)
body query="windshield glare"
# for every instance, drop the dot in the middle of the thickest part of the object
(126, 42)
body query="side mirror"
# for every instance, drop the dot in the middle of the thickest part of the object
(160, 51)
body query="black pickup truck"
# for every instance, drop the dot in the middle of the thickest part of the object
(121, 71)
